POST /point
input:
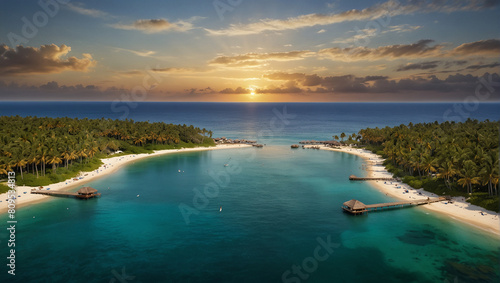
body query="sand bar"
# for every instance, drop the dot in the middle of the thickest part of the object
(110, 165)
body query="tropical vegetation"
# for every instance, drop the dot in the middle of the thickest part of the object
(42, 151)
(454, 158)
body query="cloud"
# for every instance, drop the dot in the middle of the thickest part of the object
(455, 63)
(257, 59)
(299, 82)
(158, 25)
(419, 66)
(280, 89)
(361, 34)
(422, 48)
(78, 8)
(174, 70)
(487, 47)
(44, 60)
(131, 73)
(401, 28)
(361, 38)
(433, 64)
(390, 8)
(145, 53)
(238, 90)
(321, 31)
(477, 67)
(194, 91)
(51, 86)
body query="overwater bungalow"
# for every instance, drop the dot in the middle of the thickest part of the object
(354, 207)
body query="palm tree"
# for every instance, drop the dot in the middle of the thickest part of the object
(342, 136)
(428, 163)
(489, 174)
(446, 171)
(54, 160)
(468, 174)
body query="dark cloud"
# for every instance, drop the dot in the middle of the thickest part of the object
(448, 64)
(482, 47)
(44, 60)
(459, 83)
(419, 66)
(421, 48)
(238, 90)
(207, 90)
(482, 66)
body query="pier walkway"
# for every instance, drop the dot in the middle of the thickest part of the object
(356, 207)
(83, 193)
(354, 178)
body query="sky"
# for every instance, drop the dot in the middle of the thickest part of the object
(250, 50)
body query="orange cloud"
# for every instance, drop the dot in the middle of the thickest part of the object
(489, 47)
(157, 25)
(44, 60)
(256, 59)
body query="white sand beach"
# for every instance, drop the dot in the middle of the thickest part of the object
(24, 197)
(459, 209)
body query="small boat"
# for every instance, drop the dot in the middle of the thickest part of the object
(225, 165)
(220, 209)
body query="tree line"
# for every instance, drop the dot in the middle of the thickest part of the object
(463, 155)
(33, 145)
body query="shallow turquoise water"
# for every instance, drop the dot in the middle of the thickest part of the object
(278, 207)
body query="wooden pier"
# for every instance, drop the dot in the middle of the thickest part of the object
(354, 178)
(83, 193)
(356, 207)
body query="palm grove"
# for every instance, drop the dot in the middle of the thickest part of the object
(47, 150)
(452, 158)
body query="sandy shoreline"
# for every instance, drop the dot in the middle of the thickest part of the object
(459, 209)
(110, 165)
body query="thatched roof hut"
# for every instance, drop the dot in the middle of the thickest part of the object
(87, 191)
(354, 206)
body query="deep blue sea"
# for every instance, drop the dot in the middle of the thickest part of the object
(280, 220)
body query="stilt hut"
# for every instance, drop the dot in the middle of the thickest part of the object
(87, 192)
(354, 207)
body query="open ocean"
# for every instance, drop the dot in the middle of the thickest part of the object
(280, 221)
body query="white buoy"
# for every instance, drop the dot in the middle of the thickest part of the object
(179, 170)
(137, 195)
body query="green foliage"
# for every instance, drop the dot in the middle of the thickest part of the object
(484, 200)
(47, 150)
(4, 188)
(448, 158)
